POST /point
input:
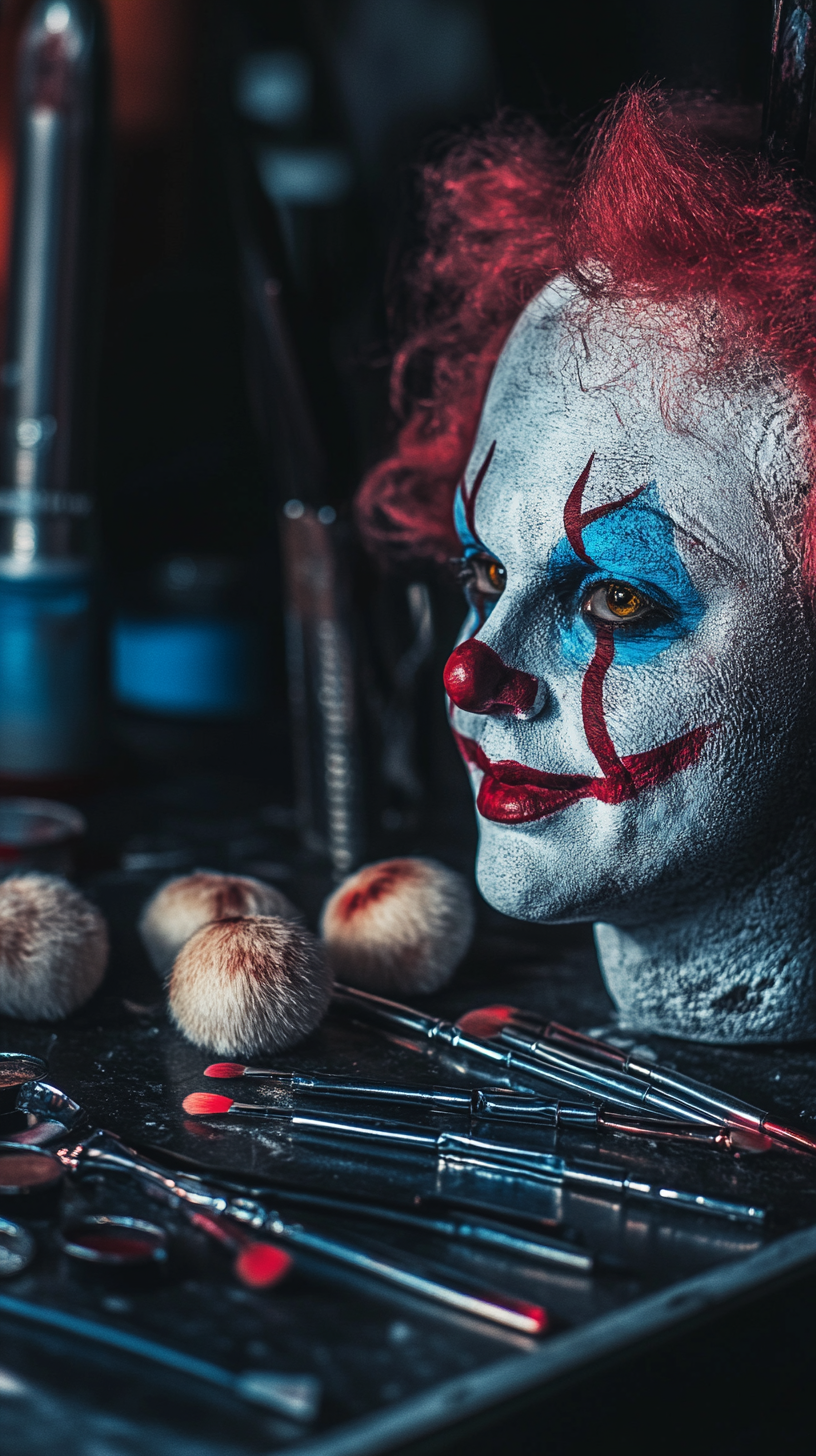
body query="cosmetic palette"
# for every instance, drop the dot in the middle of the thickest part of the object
(30, 1179)
(16, 1070)
(112, 1242)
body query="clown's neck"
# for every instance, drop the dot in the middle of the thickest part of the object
(738, 968)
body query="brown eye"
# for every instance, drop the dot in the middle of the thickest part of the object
(617, 603)
(482, 576)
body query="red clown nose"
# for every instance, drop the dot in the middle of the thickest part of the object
(478, 681)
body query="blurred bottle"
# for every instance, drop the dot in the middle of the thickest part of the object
(186, 643)
(47, 679)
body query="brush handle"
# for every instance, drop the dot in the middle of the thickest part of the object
(698, 1094)
(488, 1102)
(513, 1161)
(706, 1100)
(523, 1054)
(609, 1086)
(296, 1396)
(105, 1150)
(601, 1178)
(501, 1309)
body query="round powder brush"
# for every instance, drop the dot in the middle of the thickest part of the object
(400, 926)
(247, 985)
(53, 947)
(181, 906)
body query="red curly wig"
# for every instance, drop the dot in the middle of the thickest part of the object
(655, 215)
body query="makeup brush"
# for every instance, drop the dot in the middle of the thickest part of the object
(104, 1150)
(243, 986)
(482, 1102)
(181, 906)
(400, 925)
(294, 1396)
(601, 1084)
(258, 1265)
(461, 1219)
(507, 1158)
(53, 947)
(536, 1039)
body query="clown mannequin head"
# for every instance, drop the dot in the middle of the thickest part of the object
(634, 688)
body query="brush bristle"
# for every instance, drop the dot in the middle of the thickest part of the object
(400, 926)
(259, 1266)
(244, 986)
(183, 905)
(486, 1021)
(198, 1104)
(225, 1069)
(53, 947)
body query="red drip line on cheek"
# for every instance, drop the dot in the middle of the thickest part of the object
(592, 711)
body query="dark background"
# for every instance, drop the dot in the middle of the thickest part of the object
(182, 466)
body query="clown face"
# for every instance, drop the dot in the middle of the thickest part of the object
(633, 692)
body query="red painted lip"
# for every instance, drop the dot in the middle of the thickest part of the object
(511, 793)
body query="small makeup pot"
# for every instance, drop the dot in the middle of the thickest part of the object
(115, 1248)
(30, 1181)
(17, 1068)
(17, 1248)
(39, 834)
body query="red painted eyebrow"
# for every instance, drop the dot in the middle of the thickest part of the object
(576, 520)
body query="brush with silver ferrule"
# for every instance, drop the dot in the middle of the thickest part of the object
(481, 1153)
(103, 1150)
(562, 1069)
(468, 1221)
(489, 1103)
(535, 1038)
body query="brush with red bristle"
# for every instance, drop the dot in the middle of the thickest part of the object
(258, 1265)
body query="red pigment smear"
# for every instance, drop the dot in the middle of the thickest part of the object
(469, 499)
(485, 1020)
(511, 793)
(200, 1103)
(225, 1069)
(381, 883)
(260, 1265)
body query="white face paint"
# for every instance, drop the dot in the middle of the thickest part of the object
(640, 732)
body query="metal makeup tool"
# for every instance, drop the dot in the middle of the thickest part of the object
(110, 1242)
(103, 1150)
(562, 1069)
(49, 1114)
(537, 1041)
(465, 1220)
(498, 1103)
(295, 1396)
(475, 1229)
(506, 1158)
(16, 1070)
(17, 1248)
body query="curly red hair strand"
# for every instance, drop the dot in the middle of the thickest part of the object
(654, 215)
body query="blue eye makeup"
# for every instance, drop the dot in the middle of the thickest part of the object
(637, 584)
